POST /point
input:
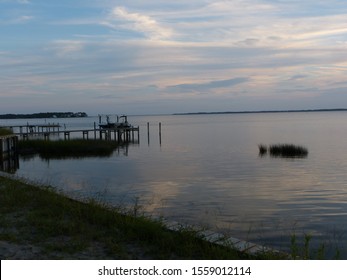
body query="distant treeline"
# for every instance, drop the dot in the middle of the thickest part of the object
(44, 115)
(254, 112)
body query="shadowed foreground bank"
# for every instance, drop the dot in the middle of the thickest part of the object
(36, 222)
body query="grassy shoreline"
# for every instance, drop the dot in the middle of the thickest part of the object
(63, 228)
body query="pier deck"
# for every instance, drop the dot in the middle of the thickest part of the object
(130, 134)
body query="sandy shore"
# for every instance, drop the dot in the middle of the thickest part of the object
(14, 251)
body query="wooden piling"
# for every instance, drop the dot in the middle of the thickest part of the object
(160, 133)
(67, 135)
(138, 134)
(85, 134)
(148, 133)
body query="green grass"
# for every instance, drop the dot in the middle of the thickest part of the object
(67, 148)
(5, 131)
(63, 227)
(301, 249)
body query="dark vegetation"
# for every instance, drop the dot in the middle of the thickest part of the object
(288, 150)
(267, 111)
(46, 115)
(283, 150)
(5, 131)
(67, 148)
(262, 150)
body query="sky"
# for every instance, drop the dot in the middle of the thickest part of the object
(159, 57)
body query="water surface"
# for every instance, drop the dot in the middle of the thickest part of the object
(207, 172)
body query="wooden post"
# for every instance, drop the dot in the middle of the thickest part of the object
(160, 133)
(138, 134)
(66, 135)
(119, 137)
(85, 133)
(148, 132)
(15, 145)
(8, 145)
(109, 136)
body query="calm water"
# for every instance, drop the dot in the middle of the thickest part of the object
(207, 172)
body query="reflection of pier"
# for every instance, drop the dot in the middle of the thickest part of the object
(9, 164)
(8, 153)
(120, 134)
(8, 145)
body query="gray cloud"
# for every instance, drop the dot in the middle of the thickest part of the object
(298, 77)
(208, 86)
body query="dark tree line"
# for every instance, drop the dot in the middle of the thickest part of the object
(44, 115)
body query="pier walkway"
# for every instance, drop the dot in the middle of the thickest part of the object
(126, 134)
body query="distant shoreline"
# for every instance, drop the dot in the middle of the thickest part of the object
(47, 115)
(265, 111)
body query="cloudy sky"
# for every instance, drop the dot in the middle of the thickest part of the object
(153, 57)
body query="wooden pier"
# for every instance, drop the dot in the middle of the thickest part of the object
(32, 129)
(120, 134)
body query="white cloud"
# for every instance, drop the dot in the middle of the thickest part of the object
(18, 20)
(23, 19)
(65, 47)
(249, 23)
(141, 23)
(16, 1)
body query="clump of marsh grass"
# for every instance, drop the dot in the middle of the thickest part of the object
(262, 150)
(67, 148)
(5, 131)
(283, 150)
(287, 150)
